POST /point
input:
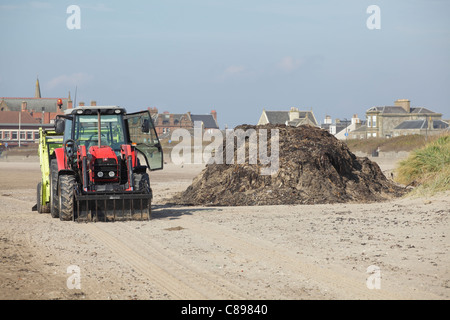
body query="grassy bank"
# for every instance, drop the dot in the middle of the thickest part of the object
(428, 167)
(400, 143)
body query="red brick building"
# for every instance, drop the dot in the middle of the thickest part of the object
(166, 122)
(20, 118)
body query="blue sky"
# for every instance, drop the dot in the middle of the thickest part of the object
(236, 57)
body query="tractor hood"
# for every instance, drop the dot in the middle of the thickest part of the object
(103, 152)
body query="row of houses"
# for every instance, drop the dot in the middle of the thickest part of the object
(380, 121)
(21, 118)
(166, 122)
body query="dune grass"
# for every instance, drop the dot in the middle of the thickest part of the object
(400, 143)
(428, 167)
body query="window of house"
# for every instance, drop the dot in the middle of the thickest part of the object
(369, 121)
(1, 135)
(36, 135)
(6, 135)
(22, 135)
(14, 135)
(29, 135)
(374, 121)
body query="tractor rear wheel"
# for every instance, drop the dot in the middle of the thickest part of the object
(54, 188)
(66, 185)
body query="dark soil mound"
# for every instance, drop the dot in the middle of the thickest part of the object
(314, 167)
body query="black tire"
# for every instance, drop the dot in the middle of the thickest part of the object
(141, 182)
(66, 185)
(54, 208)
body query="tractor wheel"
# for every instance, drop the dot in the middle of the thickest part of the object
(66, 185)
(41, 208)
(141, 182)
(54, 188)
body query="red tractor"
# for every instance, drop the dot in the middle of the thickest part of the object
(98, 173)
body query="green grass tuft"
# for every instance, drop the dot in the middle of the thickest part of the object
(427, 167)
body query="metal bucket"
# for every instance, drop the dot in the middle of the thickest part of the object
(112, 207)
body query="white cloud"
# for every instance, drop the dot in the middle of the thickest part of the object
(289, 64)
(233, 70)
(69, 81)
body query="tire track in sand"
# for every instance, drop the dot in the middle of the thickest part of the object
(171, 275)
(344, 287)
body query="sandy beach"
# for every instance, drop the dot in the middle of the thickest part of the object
(260, 252)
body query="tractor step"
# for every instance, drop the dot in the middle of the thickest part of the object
(112, 207)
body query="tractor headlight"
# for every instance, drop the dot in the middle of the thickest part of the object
(111, 174)
(100, 174)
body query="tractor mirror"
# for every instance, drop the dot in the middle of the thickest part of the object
(145, 126)
(59, 126)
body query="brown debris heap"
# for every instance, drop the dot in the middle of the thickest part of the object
(314, 168)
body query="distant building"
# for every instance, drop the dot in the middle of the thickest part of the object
(294, 117)
(12, 121)
(423, 127)
(20, 118)
(166, 122)
(389, 121)
(43, 109)
(342, 128)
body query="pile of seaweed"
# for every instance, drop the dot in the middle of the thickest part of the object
(314, 168)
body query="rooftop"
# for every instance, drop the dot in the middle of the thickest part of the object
(399, 110)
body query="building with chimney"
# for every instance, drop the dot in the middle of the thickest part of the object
(166, 122)
(342, 128)
(42, 109)
(294, 117)
(21, 117)
(390, 121)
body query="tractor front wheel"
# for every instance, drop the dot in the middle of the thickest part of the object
(66, 187)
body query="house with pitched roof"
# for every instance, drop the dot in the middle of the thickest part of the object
(43, 109)
(342, 128)
(294, 117)
(166, 122)
(423, 126)
(389, 121)
(20, 118)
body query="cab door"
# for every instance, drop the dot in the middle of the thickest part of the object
(142, 132)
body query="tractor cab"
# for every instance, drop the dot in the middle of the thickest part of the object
(102, 132)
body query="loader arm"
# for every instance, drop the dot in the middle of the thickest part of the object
(49, 142)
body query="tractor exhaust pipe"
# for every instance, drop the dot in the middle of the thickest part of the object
(99, 132)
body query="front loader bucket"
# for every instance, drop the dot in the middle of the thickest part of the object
(112, 207)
